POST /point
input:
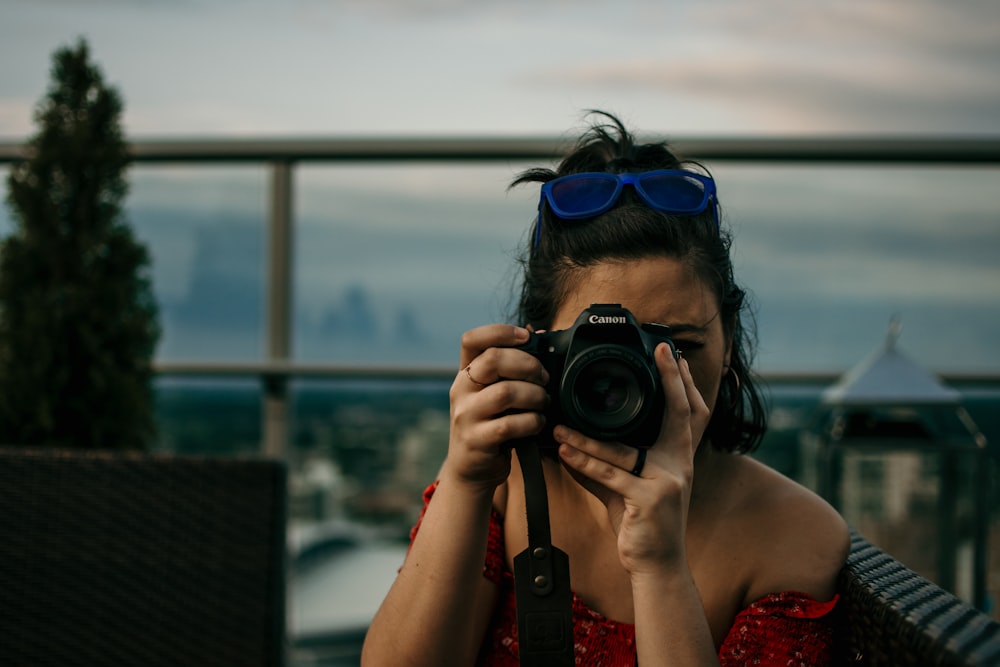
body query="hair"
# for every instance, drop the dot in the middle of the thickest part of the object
(631, 230)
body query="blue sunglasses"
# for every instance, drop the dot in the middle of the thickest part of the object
(586, 195)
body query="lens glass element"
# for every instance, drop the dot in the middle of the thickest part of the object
(606, 393)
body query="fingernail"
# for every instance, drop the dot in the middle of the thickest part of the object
(521, 334)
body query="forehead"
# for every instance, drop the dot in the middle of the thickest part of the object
(654, 289)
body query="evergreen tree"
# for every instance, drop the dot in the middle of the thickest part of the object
(78, 319)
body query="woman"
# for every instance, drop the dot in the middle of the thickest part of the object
(686, 554)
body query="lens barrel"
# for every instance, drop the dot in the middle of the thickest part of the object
(606, 391)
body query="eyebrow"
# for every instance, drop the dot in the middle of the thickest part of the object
(701, 329)
(687, 328)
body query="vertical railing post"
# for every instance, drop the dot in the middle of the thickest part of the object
(275, 412)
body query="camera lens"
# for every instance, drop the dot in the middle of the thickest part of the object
(606, 391)
(604, 387)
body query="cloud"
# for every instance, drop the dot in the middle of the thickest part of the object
(888, 22)
(786, 95)
(879, 66)
(316, 66)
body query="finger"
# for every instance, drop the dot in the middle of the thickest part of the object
(478, 340)
(603, 464)
(616, 453)
(700, 413)
(498, 399)
(504, 363)
(512, 395)
(677, 415)
(601, 478)
(468, 374)
(512, 426)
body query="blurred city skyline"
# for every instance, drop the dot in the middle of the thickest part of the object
(394, 275)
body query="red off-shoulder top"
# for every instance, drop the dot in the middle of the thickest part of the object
(779, 630)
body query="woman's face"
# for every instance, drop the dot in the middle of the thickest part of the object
(662, 290)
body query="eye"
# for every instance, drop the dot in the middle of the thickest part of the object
(688, 345)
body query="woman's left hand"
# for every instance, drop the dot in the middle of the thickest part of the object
(648, 512)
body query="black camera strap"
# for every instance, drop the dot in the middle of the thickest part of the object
(541, 577)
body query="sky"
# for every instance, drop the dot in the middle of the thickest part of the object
(923, 241)
(404, 67)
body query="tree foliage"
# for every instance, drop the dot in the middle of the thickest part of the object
(78, 319)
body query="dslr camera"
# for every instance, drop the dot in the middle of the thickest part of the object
(603, 377)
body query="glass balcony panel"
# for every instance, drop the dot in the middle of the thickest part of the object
(205, 228)
(394, 262)
(832, 253)
(208, 416)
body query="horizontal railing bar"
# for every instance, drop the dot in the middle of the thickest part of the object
(281, 369)
(434, 372)
(908, 150)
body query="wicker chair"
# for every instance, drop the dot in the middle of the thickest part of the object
(891, 616)
(128, 559)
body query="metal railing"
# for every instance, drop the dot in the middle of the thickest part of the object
(282, 155)
(909, 150)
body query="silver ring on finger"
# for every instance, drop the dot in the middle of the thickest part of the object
(640, 463)
(474, 381)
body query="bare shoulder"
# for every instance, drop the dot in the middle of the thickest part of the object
(793, 539)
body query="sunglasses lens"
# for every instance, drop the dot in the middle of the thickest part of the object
(674, 192)
(583, 196)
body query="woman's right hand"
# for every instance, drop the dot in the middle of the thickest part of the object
(498, 396)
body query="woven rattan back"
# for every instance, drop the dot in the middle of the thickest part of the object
(119, 559)
(893, 617)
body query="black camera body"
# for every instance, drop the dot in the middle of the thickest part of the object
(603, 377)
